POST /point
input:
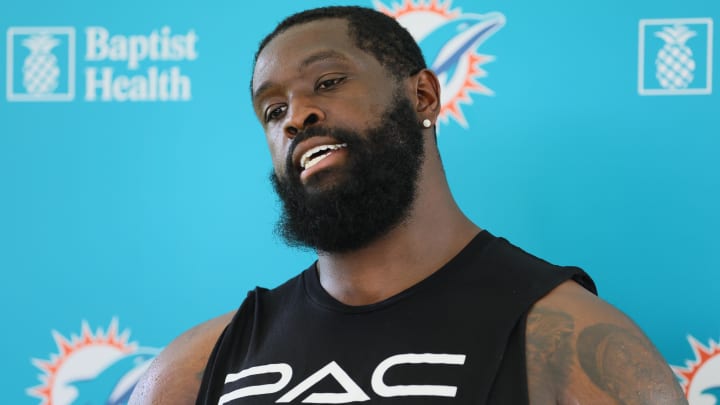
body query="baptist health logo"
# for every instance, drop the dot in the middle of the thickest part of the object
(675, 57)
(42, 62)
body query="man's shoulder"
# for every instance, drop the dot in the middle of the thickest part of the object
(580, 349)
(174, 376)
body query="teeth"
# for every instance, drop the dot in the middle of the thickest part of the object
(307, 162)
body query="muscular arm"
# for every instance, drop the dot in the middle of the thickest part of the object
(581, 350)
(174, 376)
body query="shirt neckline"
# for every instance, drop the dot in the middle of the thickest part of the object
(319, 296)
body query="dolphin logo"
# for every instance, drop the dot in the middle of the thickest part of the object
(107, 388)
(715, 392)
(449, 42)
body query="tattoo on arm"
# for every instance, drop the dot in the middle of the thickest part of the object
(200, 375)
(549, 349)
(626, 366)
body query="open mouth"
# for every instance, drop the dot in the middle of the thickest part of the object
(318, 153)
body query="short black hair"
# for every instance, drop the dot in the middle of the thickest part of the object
(372, 31)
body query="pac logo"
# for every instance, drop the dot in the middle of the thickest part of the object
(93, 368)
(40, 64)
(675, 57)
(449, 39)
(700, 378)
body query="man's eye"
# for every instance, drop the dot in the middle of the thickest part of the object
(274, 113)
(326, 84)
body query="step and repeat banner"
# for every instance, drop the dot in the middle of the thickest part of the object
(134, 192)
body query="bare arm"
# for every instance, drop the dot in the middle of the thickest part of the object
(581, 350)
(174, 376)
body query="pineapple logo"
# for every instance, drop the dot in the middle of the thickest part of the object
(682, 53)
(675, 64)
(41, 64)
(40, 70)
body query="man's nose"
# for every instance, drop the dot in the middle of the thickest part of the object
(302, 114)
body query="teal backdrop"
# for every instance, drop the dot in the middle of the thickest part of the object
(134, 193)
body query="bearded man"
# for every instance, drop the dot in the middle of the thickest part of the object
(409, 302)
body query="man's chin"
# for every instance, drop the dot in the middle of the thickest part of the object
(325, 180)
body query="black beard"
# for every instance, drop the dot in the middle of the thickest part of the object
(368, 197)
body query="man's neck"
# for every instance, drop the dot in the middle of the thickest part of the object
(433, 234)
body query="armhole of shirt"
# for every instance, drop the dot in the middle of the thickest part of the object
(217, 365)
(506, 388)
(208, 376)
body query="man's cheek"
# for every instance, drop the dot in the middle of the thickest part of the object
(279, 160)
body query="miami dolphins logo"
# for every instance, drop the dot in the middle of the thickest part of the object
(98, 368)
(449, 39)
(700, 378)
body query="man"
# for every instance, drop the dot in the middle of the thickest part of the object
(409, 302)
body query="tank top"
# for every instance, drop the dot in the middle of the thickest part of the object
(456, 337)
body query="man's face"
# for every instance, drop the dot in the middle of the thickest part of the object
(344, 138)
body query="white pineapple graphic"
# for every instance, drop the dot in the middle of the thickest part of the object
(674, 62)
(40, 69)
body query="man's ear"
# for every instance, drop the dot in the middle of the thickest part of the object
(427, 94)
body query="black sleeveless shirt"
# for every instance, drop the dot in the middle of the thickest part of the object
(457, 337)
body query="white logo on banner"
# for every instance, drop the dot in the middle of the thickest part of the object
(34, 71)
(140, 67)
(155, 83)
(451, 40)
(700, 377)
(99, 367)
(675, 56)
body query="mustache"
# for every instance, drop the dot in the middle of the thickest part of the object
(310, 132)
(341, 135)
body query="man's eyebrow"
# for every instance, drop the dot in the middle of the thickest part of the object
(321, 56)
(313, 58)
(263, 88)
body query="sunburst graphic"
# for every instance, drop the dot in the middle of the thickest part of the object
(449, 38)
(439, 7)
(79, 358)
(700, 378)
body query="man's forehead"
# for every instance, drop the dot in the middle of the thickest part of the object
(322, 29)
(299, 46)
